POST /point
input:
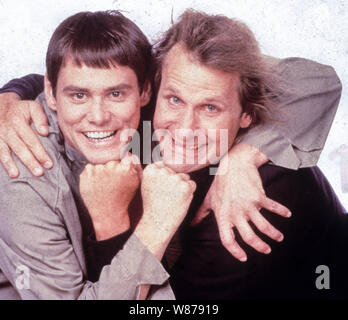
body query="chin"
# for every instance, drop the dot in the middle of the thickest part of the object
(102, 157)
(184, 168)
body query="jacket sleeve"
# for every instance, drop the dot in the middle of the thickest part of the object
(308, 109)
(35, 235)
(27, 87)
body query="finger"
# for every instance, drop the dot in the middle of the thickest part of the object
(132, 162)
(265, 227)
(184, 176)
(130, 158)
(138, 168)
(275, 207)
(228, 240)
(38, 117)
(23, 153)
(7, 160)
(202, 212)
(249, 237)
(159, 164)
(34, 144)
(192, 185)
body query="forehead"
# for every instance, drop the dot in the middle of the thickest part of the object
(182, 71)
(92, 77)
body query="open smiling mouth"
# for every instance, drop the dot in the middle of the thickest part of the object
(98, 137)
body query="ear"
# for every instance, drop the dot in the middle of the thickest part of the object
(51, 100)
(245, 120)
(145, 94)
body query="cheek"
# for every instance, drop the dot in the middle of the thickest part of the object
(226, 130)
(126, 110)
(69, 116)
(158, 116)
(68, 113)
(165, 116)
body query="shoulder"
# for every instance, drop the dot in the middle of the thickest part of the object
(29, 196)
(271, 174)
(294, 65)
(306, 187)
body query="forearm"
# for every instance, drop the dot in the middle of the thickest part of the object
(155, 240)
(27, 87)
(247, 154)
(305, 115)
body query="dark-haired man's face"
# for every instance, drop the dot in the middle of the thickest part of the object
(94, 105)
(198, 107)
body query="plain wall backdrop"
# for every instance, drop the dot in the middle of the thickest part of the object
(313, 29)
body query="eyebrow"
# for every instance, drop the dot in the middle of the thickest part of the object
(172, 90)
(122, 86)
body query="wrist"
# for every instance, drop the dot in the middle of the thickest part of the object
(248, 154)
(152, 237)
(10, 97)
(107, 228)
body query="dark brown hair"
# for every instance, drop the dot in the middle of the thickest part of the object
(227, 45)
(99, 39)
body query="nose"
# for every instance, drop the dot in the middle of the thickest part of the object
(99, 112)
(187, 124)
(188, 119)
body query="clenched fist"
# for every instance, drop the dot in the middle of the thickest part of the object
(107, 191)
(166, 198)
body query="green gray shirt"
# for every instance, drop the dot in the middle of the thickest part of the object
(41, 251)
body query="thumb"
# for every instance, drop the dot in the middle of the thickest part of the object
(133, 161)
(38, 117)
(202, 212)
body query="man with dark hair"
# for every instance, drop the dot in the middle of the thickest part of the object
(48, 223)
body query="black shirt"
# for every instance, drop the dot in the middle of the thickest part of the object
(316, 234)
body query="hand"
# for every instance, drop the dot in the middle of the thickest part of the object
(236, 198)
(107, 191)
(166, 198)
(17, 135)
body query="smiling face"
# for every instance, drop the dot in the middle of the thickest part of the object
(93, 105)
(197, 98)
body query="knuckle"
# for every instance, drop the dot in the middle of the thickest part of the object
(99, 167)
(185, 186)
(5, 159)
(88, 168)
(227, 241)
(177, 179)
(26, 157)
(250, 238)
(163, 172)
(265, 228)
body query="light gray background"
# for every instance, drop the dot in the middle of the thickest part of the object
(314, 29)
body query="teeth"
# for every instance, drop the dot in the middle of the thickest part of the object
(99, 135)
(190, 147)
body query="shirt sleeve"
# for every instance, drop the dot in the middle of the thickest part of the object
(27, 87)
(35, 235)
(308, 108)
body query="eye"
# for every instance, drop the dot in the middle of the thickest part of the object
(174, 100)
(115, 94)
(79, 95)
(210, 108)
